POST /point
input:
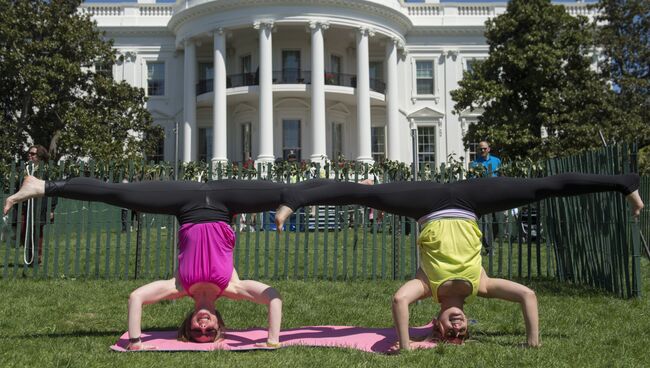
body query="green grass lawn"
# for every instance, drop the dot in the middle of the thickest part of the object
(71, 323)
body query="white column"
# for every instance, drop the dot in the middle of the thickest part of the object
(318, 135)
(266, 92)
(363, 97)
(220, 117)
(190, 132)
(391, 101)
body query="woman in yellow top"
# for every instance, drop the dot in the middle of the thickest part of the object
(450, 242)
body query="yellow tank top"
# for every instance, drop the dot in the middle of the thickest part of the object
(450, 249)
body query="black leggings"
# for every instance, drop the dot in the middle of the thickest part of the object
(191, 202)
(480, 196)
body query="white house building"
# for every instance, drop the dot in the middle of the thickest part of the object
(314, 79)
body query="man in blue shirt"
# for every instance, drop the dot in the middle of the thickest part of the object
(490, 162)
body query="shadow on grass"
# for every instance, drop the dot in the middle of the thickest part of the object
(554, 287)
(116, 333)
(493, 337)
(477, 335)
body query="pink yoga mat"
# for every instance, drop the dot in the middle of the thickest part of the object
(377, 340)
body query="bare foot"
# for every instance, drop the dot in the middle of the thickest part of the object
(31, 188)
(634, 199)
(281, 215)
(367, 182)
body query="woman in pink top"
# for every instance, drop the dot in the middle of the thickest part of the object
(206, 241)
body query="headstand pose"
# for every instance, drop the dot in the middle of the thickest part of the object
(450, 242)
(205, 242)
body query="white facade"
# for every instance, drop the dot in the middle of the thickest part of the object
(311, 79)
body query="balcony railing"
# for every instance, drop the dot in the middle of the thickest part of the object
(289, 76)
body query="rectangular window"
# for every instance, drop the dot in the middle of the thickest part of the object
(291, 66)
(248, 77)
(334, 76)
(206, 78)
(159, 154)
(206, 71)
(427, 145)
(376, 72)
(156, 79)
(205, 144)
(104, 68)
(246, 142)
(376, 77)
(424, 77)
(337, 141)
(469, 65)
(291, 139)
(246, 64)
(378, 143)
(472, 151)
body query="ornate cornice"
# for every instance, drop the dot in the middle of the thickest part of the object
(323, 25)
(394, 14)
(263, 24)
(366, 31)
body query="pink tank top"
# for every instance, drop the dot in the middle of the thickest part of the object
(205, 254)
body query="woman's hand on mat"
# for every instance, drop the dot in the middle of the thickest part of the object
(139, 346)
(533, 344)
(268, 345)
(415, 343)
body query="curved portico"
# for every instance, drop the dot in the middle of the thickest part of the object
(276, 69)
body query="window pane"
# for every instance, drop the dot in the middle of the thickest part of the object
(205, 144)
(335, 64)
(158, 154)
(427, 145)
(375, 70)
(104, 68)
(425, 86)
(378, 143)
(206, 71)
(424, 69)
(155, 79)
(470, 65)
(290, 66)
(337, 140)
(246, 142)
(246, 64)
(291, 139)
(473, 148)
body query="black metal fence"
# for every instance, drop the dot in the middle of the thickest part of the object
(588, 240)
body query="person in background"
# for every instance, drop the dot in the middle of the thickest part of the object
(484, 159)
(491, 164)
(37, 156)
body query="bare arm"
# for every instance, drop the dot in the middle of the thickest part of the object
(514, 292)
(148, 294)
(410, 292)
(259, 293)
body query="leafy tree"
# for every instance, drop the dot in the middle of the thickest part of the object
(51, 93)
(540, 94)
(624, 37)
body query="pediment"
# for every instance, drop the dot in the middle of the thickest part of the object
(291, 103)
(160, 115)
(426, 113)
(478, 111)
(339, 107)
(243, 108)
